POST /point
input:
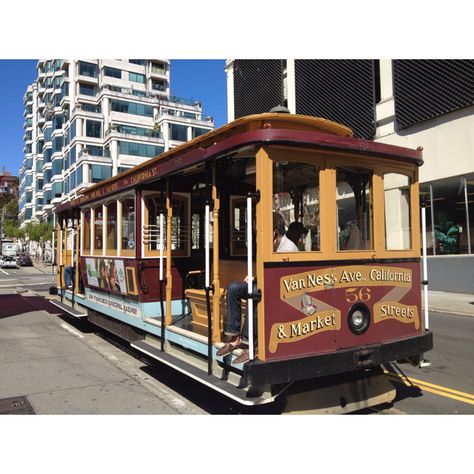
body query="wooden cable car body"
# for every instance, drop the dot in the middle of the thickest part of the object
(348, 301)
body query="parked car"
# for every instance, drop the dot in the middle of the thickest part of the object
(25, 261)
(9, 262)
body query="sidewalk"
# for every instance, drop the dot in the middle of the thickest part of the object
(63, 370)
(458, 303)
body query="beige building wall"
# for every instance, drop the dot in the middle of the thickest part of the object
(447, 141)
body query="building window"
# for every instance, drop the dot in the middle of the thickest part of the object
(449, 215)
(158, 86)
(140, 62)
(57, 166)
(397, 212)
(134, 77)
(354, 208)
(87, 69)
(99, 173)
(79, 176)
(112, 72)
(296, 199)
(57, 143)
(139, 149)
(131, 108)
(178, 132)
(197, 132)
(87, 89)
(93, 129)
(158, 68)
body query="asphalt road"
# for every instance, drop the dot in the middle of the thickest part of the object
(25, 278)
(446, 386)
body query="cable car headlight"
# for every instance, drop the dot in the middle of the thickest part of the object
(359, 318)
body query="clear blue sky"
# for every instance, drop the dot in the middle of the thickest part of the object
(202, 80)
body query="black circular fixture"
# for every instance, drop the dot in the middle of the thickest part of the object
(359, 318)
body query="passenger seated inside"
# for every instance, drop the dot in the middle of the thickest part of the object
(297, 233)
(237, 291)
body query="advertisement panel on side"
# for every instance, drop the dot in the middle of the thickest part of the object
(110, 275)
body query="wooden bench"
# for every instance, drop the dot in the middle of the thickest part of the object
(229, 270)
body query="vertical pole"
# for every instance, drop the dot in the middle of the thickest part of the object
(73, 260)
(433, 235)
(250, 277)
(207, 286)
(162, 309)
(169, 277)
(78, 256)
(467, 217)
(53, 261)
(425, 265)
(207, 244)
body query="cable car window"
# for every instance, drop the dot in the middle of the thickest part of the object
(296, 198)
(98, 229)
(354, 208)
(397, 211)
(180, 225)
(151, 235)
(195, 231)
(86, 234)
(128, 224)
(238, 232)
(111, 231)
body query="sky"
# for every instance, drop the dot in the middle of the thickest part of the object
(195, 79)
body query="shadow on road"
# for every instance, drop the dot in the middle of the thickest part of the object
(14, 304)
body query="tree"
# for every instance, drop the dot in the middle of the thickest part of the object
(40, 233)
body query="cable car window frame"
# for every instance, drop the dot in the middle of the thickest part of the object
(95, 251)
(83, 249)
(181, 196)
(111, 252)
(315, 158)
(126, 252)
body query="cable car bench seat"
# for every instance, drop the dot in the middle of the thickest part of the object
(229, 270)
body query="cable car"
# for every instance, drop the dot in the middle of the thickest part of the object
(322, 227)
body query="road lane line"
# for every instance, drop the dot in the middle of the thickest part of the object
(4, 271)
(436, 389)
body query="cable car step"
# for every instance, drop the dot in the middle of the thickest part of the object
(69, 309)
(211, 381)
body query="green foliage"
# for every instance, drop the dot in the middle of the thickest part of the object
(12, 230)
(446, 233)
(39, 232)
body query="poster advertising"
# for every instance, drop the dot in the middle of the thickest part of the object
(107, 274)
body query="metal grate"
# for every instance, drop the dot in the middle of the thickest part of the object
(340, 90)
(16, 406)
(258, 86)
(425, 89)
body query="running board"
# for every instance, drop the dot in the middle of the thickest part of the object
(225, 388)
(69, 309)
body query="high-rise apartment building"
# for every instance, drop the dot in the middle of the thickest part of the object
(88, 120)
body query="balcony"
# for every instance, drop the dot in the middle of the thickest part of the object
(117, 131)
(86, 154)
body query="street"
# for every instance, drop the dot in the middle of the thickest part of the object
(73, 367)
